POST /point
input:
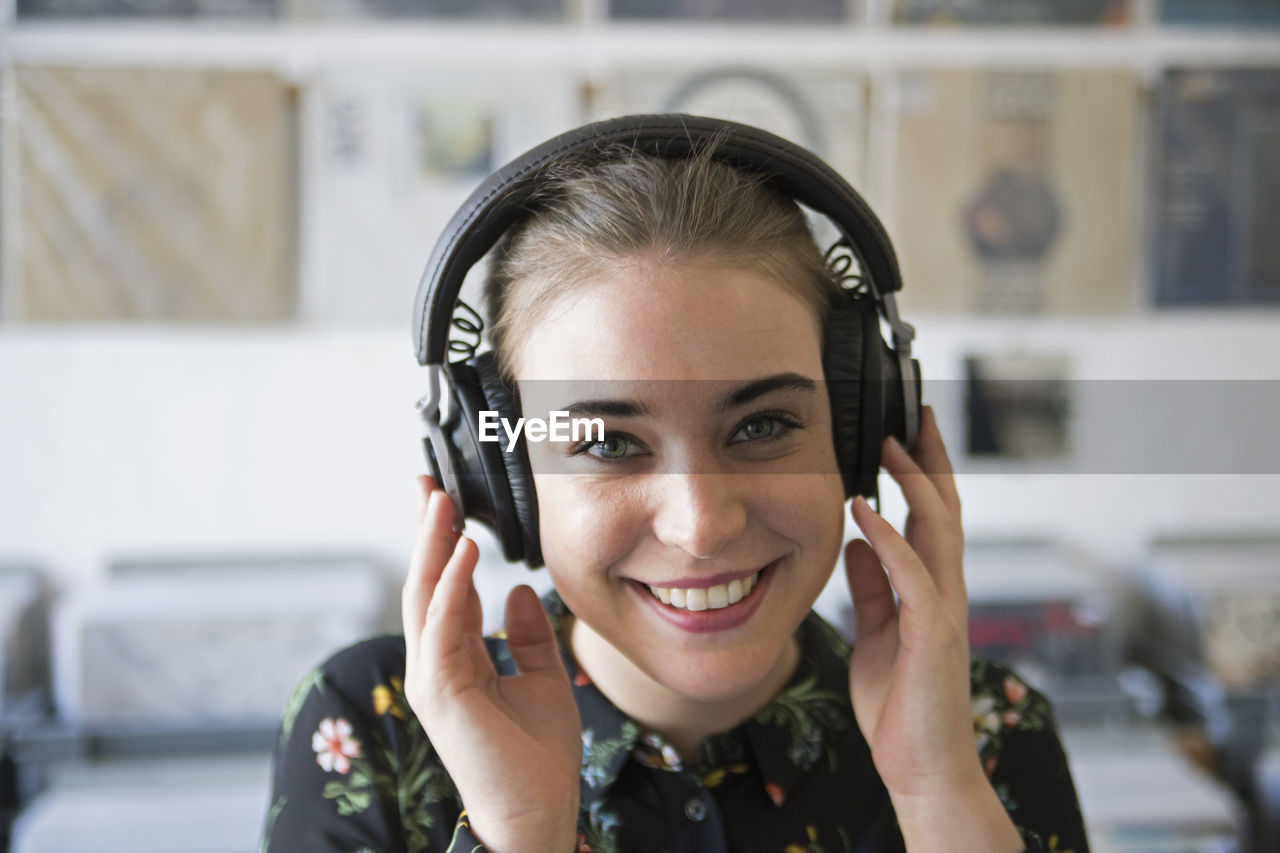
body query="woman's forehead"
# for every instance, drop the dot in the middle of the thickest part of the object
(672, 323)
(662, 399)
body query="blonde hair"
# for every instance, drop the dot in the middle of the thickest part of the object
(592, 214)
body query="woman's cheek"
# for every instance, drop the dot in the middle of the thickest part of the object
(807, 500)
(586, 522)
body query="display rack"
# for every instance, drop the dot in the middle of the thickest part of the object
(588, 45)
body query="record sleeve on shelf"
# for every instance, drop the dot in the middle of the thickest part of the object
(388, 156)
(148, 8)
(728, 10)
(1009, 194)
(492, 9)
(985, 12)
(1217, 187)
(152, 195)
(821, 108)
(1018, 406)
(1220, 12)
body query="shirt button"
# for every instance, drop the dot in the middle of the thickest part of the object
(695, 809)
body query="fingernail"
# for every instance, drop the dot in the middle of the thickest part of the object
(860, 501)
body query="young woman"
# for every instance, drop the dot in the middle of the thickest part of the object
(676, 692)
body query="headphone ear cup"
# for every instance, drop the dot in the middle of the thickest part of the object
(482, 474)
(850, 360)
(503, 399)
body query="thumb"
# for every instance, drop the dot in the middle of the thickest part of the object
(529, 636)
(873, 602)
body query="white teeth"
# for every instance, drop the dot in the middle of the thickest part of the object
(663, 594)
(705, 598)
(735, 591)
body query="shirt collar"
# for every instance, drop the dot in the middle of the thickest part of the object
(786, 739)
(808, 719)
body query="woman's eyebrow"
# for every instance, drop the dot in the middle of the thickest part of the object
(767, 385)
(607, 408)
(731, 400)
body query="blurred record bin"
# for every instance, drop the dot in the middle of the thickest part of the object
(1209, 616)
(199, 642)
(1047, 612)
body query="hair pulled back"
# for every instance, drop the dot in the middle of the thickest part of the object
(595, 213)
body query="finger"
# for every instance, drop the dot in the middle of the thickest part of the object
(435, 543)
(425, 486)
(473, 621)
(931, 455)
(873, 604)
(910, 578)
(917, 487)
(445, 625)
(529, 635)
(934, 520)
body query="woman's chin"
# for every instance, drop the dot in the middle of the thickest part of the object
(725, 676)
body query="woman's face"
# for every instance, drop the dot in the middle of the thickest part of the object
(716, 483)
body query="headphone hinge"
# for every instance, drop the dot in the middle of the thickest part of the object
(429, 405)
(903, 332)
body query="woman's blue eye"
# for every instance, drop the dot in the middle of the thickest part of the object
(611, 447)
(763, 427)
(758, 429)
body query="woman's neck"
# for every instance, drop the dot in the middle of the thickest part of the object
(682, 721)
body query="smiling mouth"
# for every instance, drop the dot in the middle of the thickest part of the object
(706, 598)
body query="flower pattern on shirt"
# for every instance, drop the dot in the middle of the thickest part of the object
(811, 716)
(1003, 704)
(810, 845)
(599, 757)
(334, 745)
(390, 699)
(354, 769)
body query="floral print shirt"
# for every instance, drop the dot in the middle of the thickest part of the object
(353, 771)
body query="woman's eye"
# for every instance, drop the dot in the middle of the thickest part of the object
(758, 429)
(610, 448)
(763, 427)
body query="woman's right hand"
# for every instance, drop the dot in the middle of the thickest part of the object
(512, 744)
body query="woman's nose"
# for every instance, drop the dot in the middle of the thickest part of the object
(699, 513)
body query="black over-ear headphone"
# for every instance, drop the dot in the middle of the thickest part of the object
(874, 388)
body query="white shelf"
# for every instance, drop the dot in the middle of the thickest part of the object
(295, 47)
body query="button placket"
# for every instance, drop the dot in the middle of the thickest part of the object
(695, 809)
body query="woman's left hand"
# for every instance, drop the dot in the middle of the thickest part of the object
(909, 673)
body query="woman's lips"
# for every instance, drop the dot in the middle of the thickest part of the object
(707, 619)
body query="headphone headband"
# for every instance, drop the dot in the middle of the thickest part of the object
(503, 198)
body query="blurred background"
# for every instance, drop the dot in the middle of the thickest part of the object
(213, 218)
